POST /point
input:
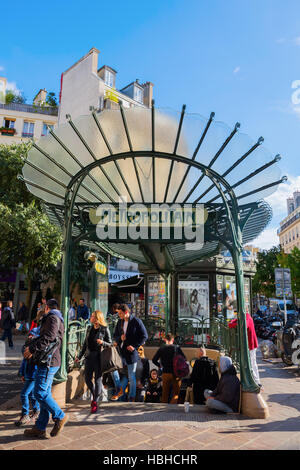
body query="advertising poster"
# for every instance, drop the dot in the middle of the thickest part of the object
(194, 299)
(230, 297)
(156, 296)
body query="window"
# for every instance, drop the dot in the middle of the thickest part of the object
(45, 130)
(109, 78)
(138, 94)
(28, 129)
(9, 123)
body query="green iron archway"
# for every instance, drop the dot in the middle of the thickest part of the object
(231, 210)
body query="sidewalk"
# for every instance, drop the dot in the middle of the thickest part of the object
(167, 427)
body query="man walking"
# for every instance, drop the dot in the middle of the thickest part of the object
(129, 335)
(164, 358)
(52, 328)
(7, 323)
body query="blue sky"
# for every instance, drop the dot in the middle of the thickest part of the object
(237, 58)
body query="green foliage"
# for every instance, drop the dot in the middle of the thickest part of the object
(27, 236)
(292, 261)
(264, 279)
(13, 97)
(51, 99)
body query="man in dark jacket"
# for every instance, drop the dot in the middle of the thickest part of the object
(164, 358)
(82, 311)
(204, 376)
(52, 328)
(225, 398)
(7, 323)
(130, 333)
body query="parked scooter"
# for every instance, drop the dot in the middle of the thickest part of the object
(287, 340)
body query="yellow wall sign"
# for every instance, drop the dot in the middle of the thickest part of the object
(100, 268)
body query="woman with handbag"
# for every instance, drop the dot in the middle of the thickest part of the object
(97, 338)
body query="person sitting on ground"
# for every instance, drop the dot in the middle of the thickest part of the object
(27, 373)
(225, 398)
(164, 358)
(154, 389)
(204, 376)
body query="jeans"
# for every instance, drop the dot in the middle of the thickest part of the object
(8, 334)
(42, 392)
(132, 380)
(216, 404)
(26, 394)
(116, 378)
(93, 367)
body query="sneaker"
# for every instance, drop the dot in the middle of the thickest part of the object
(35, 414)
(117, 395)
(35, 432)
(131, 399)
(94, 407)
(24, 419)
(58, 426)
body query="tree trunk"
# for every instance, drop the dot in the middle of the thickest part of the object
(29, 298)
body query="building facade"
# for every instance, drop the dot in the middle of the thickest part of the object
(20, 122)
(84, 85)
(289, 232)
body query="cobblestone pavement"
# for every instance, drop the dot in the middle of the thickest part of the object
(10, 361)
(167, 427)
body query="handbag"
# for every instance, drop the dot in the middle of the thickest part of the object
(110, 360)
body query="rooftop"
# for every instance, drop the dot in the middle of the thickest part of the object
(30, 108)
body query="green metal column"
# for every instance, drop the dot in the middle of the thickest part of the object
(247, 380)
(93, 288)
(61, 375)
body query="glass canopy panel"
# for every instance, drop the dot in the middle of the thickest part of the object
(83, 142)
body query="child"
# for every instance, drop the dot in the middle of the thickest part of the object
(28, 372)
(154, 389)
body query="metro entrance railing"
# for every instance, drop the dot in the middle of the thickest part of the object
(212, 332)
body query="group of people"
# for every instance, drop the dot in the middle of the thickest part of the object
(217, 386)
(160, 384)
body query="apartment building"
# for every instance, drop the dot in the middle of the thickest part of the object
(21, 122)
(84, 85)
(289, 232)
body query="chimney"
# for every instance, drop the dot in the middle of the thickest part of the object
(40, 98)
(148, 93)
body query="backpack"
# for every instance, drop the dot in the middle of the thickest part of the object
(180, 365)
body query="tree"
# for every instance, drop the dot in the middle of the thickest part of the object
(264, 279)
(27, 236)
(51, 99)
(292, 261)
(13, 97)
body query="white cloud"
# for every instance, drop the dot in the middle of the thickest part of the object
(237, 69)
(13, 87)
(1, 68)
(281, 40)
(267, 239)
(277, 201)
(297, 41)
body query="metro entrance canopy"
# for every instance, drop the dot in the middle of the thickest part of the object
(153, 156)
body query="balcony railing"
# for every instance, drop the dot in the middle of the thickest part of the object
(27, 134)
(30, 108)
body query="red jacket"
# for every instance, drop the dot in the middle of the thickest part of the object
(252, 338)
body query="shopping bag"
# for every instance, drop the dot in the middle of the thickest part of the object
(110, 360)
